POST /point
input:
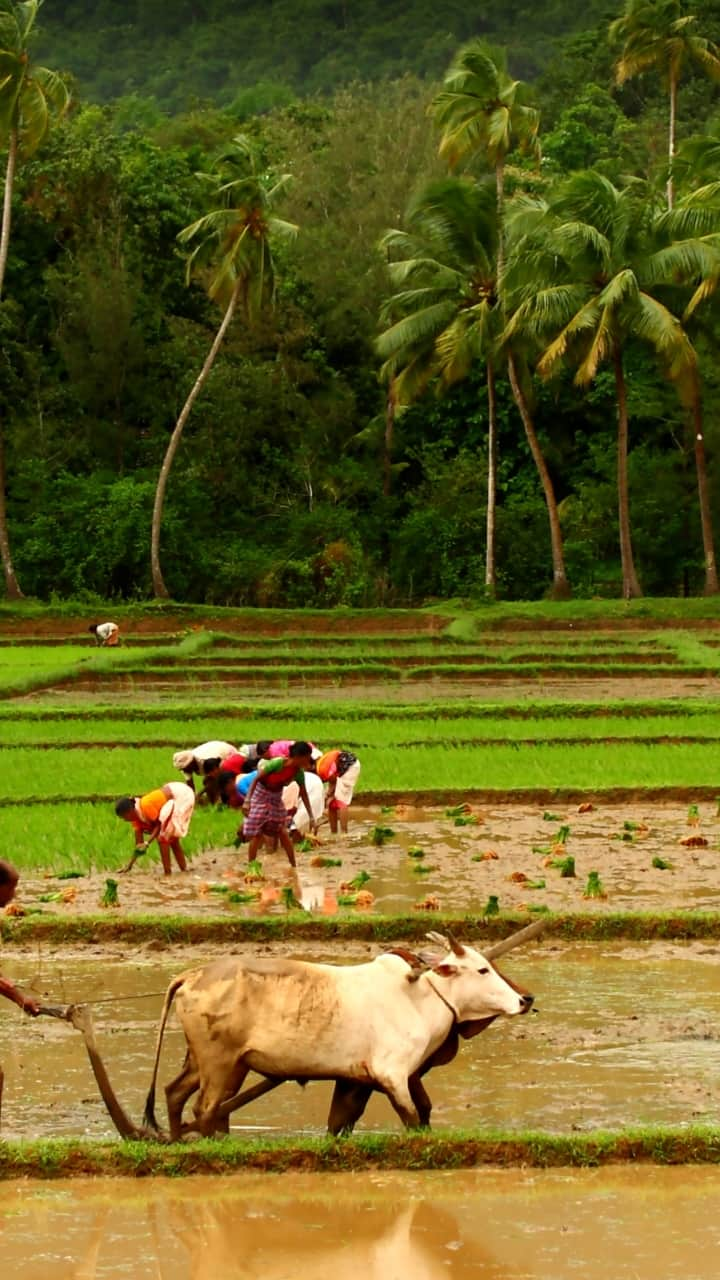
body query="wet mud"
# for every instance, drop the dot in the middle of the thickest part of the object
(633, 1224)
(623, 1036)
(457, 872)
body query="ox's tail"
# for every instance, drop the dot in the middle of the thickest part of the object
(149, 1113)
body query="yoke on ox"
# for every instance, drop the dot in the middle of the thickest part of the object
(374, 1026)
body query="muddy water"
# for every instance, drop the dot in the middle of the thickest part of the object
(624, 1036)
(631, 1224)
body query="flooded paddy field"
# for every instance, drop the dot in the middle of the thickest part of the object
(625, 1035)
(632, 1224)
(458, 872)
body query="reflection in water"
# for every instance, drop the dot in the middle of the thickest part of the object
(628, 1224)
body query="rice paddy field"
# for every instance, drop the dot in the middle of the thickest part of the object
(517, 763)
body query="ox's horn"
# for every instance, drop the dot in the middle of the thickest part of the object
(440, 939)
(457, 947)
(516, 940)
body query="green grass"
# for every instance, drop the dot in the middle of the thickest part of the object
(86, 837)
(448, 1149)
(172, 731)
(439, 768)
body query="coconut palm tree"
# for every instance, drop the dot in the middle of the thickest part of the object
(658, 35)
(589, 280)
(32, 98)
(442, 320)
(480, 112)
(233, 259)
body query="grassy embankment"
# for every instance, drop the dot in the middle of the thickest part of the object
(453, 1149)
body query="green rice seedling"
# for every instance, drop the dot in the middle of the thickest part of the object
(566, 867)
(347, 899)
(70, 875)
(662, 864)
(218, 888)
(50, 897)
(359, 880)
(693, 816)
(562, 835)
(320, 861)
(543, 850)
(237, 895)
(538, 908)
(110, 896)
(416, 852)
(466, 820)
(380, 835)
(551, 817)
(253, 870)
(594, 888)
(534, 884)
(456, 811)
(387, 810)
(422, 869)
(492, 906)
(629, 825)
(288, 899)
(306, 846)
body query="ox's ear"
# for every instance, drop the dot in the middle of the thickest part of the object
(446, 970)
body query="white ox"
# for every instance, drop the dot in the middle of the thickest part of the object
(375, 1024)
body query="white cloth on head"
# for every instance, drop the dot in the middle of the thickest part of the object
(316, 796)
(206, 751)
(175, 815)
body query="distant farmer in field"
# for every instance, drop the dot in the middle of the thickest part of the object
(8, 884)
(105, 633)
(206, 761)
(163, 815)
(265, 812)
(340, 770)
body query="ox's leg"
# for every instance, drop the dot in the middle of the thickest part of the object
(226, 1079)
(398, 1091)
(177, 1093)
(421, 1099)
(349, 1101)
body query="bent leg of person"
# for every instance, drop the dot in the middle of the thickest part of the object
(164, 848)
(179, 855)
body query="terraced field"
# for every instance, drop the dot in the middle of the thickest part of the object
(508, 772)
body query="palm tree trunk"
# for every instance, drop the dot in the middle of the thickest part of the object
(671, 138)
(158, 583)
(631, 585)
(500, 198)
(390, 404)
(12, 585)
(561, 587)
(711, 577)
(491, 483)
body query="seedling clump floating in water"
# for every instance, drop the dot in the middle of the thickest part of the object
(110, 896)
(357, 881)
(415, 852)
(381, 835)
(551, 817)
(566, 867)
(466, 820)
(492, 906)
(254, 870)
(662, 864)
(422, 869)
(288, 899)
(594, 888)
(693, 817)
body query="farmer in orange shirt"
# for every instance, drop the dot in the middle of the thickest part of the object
(163, 815)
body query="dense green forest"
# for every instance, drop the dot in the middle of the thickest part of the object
(336, 451)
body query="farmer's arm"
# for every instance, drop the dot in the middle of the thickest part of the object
(11, 992)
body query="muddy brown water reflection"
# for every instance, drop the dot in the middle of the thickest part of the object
(631, 1224)
(625, 1035)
